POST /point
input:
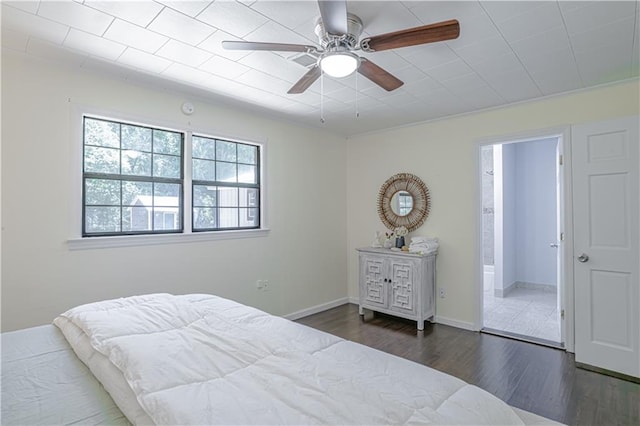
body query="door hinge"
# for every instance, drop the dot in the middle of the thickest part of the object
(562, 314)
(562, 236)
(560, 160)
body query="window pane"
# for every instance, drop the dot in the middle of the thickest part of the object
(248, 217)
(247, 154)
(204, 170)
(248, 197)
(136, 193)
(101, 133)
(226, 151)
(101, 160)
(246, 174)
(167, 142)
(136, 138)
(136, 163)
(166, 194)
(102, 219)
(136, 219)
(225, 172)
(166, 166)
(204, 148)
(204, 218)
(228, 217)
(102, 192)
(165, 219)
(204, 196)
(227, 197)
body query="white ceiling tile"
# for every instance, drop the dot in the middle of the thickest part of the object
(551, 81)
(513, 85)
(94, 45)
(137, 12)
(597, 13)
(346, 94)
(56, 53)
(558, 60)
(14, 40)
(554, 39)
(435, 11)
(33, 25)
(144, 61)
(287, 13)
(449, 70)
(459, 85)
(388, 59)
(27, 6)
(213, 44)
(599, 66)
(614, 35)
(473, 29)
(483, 49)
(276, 33)
(262, 81)
(76, 15)
(135, 36)
(274, 65)
(188, 7)
(428, 56)
(501, 11)
(498, 65)
(483, 97)
(180, 27)
(383, 17)
(224, 67)
(306, 28)
(357, 80)
(409, 74)
(183, 53)
(535, 21)
(232, 17)
(425, 86)
(180, 72)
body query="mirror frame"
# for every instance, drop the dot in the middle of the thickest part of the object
(421, 201)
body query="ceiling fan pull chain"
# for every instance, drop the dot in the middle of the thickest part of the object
(322, 97)
(357, 109)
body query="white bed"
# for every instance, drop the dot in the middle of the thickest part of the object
(201, 359)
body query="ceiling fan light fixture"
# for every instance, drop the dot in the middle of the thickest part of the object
(339, 64)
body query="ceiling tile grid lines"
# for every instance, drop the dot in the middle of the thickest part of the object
(508, 51)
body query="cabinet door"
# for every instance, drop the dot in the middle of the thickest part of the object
(374, 288)
(403, 286)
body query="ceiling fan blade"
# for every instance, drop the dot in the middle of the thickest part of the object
(334, 16)
(379, 76)
(306, 80)
(279, 47)
(440, 31)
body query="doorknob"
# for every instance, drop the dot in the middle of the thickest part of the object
(553, 245)
(583, 258)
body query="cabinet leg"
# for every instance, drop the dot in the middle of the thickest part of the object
(420, 325)
(360, 310)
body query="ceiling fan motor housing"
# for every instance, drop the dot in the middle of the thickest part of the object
(348, 41)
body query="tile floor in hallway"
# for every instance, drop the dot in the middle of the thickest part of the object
(524, 311)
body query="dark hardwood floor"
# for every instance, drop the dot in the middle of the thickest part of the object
(535, 378)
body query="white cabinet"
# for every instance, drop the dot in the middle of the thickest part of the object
(397, 283)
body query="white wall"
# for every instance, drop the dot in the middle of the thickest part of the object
(510, 190)
(443, 154)
(536, 211)
(303, 256)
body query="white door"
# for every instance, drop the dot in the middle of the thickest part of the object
(606, 232)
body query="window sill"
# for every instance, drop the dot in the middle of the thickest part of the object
(148, 240)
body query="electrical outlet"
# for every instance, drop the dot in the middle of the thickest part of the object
(441, 292)
(265, 285)
(259, 284)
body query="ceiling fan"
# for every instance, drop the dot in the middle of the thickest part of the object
(338, 32)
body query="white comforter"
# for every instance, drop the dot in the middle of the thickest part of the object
(201, 359)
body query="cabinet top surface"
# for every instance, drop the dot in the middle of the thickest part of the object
(386, 251)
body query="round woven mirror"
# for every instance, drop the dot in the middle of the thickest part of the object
(403, 200)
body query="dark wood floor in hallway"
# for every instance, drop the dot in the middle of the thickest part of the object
(535, 378)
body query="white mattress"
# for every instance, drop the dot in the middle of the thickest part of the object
(43, 382)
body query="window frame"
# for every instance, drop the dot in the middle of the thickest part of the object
(75, 222)
(119, 177)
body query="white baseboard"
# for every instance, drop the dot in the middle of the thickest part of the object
(315, 309)
(455, 323)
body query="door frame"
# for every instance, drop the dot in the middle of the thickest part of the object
(566, 286)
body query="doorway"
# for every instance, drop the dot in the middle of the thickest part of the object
(521, 248)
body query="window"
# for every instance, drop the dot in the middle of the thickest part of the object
(226, 186)
(134, 182)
